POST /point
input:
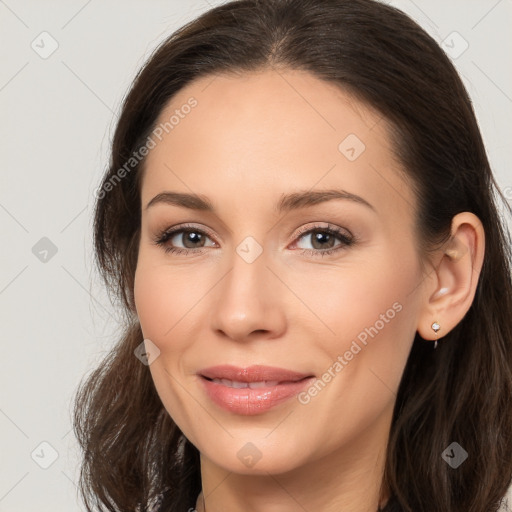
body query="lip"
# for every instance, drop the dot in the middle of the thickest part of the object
(253, 373)
(275, 386)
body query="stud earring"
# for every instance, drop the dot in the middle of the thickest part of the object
(435, 327)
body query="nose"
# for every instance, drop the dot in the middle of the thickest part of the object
(247, 303)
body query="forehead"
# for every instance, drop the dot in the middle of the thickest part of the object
(262, 133)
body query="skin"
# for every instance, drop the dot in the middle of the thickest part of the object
(252, 138)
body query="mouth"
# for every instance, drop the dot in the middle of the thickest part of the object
(250, 374)
(252, 390)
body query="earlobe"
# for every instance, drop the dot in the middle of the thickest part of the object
(452, 288)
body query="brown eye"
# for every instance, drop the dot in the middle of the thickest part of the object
(190, 238)
(323, 240)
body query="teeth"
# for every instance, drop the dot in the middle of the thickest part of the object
(227, 382)
(242, 385)
(263, 384)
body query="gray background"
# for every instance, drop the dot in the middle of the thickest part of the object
(58, 114)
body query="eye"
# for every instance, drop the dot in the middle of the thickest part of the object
(323, 240)
(192, 238)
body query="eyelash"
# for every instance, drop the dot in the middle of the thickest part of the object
(347, 240)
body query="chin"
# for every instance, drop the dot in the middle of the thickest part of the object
(258, 457)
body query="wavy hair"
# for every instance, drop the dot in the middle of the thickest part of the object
(132, 449)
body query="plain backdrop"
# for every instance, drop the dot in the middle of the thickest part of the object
(58, 111)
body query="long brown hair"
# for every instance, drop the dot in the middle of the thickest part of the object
(462, 392)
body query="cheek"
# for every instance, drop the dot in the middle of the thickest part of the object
(371, 314)
(162, 298)
(352, 298)
(391, 322)
(160, 305)
(150, 300)
(166, 303)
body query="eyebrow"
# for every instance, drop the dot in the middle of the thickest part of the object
(286, 203)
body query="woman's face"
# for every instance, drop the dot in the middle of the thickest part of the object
(278, 272)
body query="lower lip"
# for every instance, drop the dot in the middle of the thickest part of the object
(247, 401)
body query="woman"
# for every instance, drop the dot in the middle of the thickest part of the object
(299, 217)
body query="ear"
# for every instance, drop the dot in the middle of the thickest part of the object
(451, 287)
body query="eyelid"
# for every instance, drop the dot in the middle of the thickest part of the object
(188, 227)
(329, 227)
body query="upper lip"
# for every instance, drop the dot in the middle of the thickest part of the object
(255, 373)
